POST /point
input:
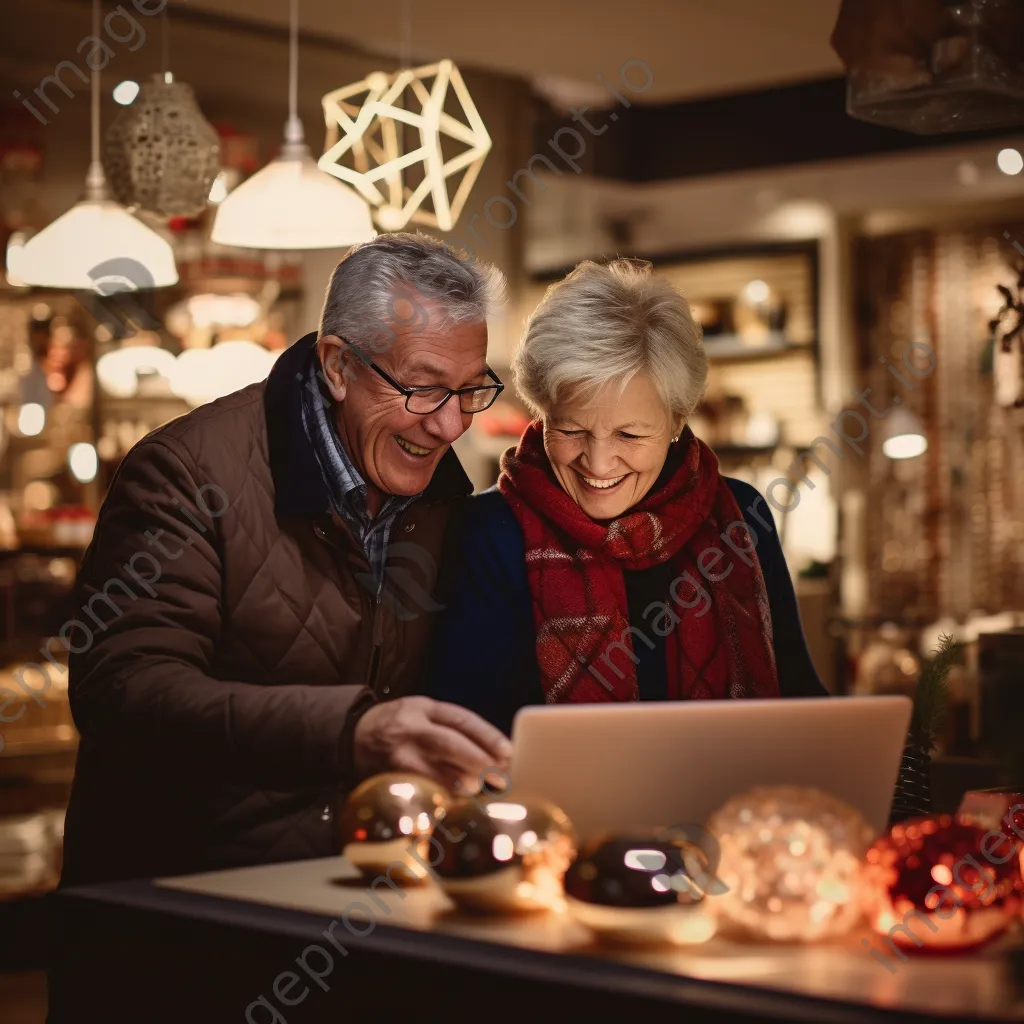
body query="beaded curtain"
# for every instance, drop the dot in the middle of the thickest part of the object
(946, 529)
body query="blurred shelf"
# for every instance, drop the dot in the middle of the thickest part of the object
(743, 451)
(169, 403)
(46, 550)
(16, 747)
(722, 348)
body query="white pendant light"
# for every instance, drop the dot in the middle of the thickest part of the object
(201, 375)
(903, 435)
(291, 203)
(97, 245)
(119, 371)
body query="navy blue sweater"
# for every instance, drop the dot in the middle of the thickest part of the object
(484, 650)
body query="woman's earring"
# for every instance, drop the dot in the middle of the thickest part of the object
(674, 439)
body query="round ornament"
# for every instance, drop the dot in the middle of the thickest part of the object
(641, 891)
(935, 884)
(791, 860)
(389, 819)
(504, 855)
(1001, 809)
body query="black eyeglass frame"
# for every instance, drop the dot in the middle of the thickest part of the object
(497, 387)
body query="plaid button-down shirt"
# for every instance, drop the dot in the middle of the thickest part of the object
(344, 482)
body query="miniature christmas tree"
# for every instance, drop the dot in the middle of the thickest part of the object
(913, 786)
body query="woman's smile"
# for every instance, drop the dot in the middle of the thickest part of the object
(597, 484)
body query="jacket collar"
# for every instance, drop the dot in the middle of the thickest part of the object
(299, 488)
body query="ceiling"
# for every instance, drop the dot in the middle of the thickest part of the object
(570, 218)
(693, 47)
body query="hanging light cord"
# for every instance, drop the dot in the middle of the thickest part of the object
(165, 44)
(406, 54)
(293, 128)
(95, 182)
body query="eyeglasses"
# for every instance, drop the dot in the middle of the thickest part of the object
(424, 400)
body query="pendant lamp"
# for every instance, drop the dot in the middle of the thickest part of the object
(367, 125)
(161, 155)
(291, 203)
(97, 245)
(903, 435)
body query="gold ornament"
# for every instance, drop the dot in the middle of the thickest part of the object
(791, 862)
(641, 891)
(388, 820)
(938, 884)
(504, 855)
(365, 146)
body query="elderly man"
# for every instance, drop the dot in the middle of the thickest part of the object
(260, 588)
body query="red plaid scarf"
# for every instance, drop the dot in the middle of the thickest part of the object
(575, 567)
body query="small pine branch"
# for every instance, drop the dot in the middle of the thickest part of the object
(932, 696)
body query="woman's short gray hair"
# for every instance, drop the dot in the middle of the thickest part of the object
(609, 322)
(372, 286)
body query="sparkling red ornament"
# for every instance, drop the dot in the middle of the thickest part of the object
(1001, 809)
(935, 884)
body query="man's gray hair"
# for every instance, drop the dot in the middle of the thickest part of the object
(377, 283)
(607, 323)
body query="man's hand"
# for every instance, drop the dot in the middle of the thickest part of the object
(443, 741)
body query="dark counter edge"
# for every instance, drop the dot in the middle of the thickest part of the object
(481, 954)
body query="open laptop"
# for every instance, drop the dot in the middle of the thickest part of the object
(647, 765)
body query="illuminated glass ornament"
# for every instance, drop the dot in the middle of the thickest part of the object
(386, 825)
(641, 891)
(503, 855)
(935, 884)
(161, 155)
(367, 124)
(791, 860)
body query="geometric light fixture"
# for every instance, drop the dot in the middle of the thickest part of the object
(903, 435)
(97, 241)
(291, 203)
(406, 180)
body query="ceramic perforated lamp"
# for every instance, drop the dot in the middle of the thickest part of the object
(97, 245)
(291, 203)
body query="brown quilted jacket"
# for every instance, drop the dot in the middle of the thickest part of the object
(226, 641)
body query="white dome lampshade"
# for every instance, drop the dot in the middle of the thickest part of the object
(97, 246)
(119, 371)
(903, 435)
(292, 204)
(205, 374)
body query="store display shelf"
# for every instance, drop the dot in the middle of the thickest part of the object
(735, 348)
(46, 550)
(742, 451)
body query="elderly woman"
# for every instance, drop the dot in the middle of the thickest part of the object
(613, 561)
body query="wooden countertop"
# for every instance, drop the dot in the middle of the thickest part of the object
(852, 984)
